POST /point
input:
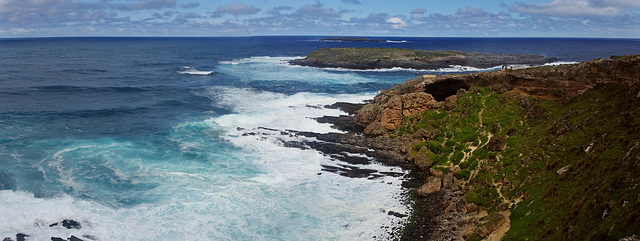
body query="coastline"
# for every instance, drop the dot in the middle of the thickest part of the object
(444, 200)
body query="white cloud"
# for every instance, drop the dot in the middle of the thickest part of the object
(352, 1)
(397, 23)
(418, 13)
(235, 9)
(469, 11)
(317, 11)
(190, 5)
(570, 8)
(618, 3)
(145, 4)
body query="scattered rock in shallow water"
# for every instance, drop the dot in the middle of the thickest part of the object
(396, 214)
(21, 237)
(74, 238)
(67, 223)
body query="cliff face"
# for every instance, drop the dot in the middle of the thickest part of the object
(548, 83)
(547, 153)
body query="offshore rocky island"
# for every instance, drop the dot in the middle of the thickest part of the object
(544, 153)
(385, 58)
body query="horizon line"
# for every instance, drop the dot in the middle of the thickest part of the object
(371, 36)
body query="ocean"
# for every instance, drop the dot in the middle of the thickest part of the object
(184, 138)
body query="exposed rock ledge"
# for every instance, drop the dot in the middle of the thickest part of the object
(386, 58)
(441, 211)
(387, 110)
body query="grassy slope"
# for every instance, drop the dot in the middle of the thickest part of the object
(597, 198)
(374, 54)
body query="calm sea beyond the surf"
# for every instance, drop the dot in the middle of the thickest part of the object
(182, 138)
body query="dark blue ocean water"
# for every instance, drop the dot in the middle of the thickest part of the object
(146, 138)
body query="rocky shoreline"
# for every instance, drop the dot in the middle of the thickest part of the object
(445, 202)
(440, 211)
(464, 193)
(64, 224)
(380, 58)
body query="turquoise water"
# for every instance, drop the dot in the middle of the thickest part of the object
(184, 138)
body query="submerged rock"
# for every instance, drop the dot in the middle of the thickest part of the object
(68, 223)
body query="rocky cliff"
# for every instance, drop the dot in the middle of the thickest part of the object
(415, 96)
(385, 58)
(546, 153)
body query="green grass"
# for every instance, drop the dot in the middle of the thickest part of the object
(597, 199)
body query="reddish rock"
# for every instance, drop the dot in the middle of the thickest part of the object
(431, 185)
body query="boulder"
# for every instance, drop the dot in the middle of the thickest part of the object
(431, 185)
(489, 224)
(391, 117)
(497, 144)
(451, 208)
(448, 180)
(367, 114)
(424, 159)
(418, 102)
(375, 129)
(400, 106)
(451, 102)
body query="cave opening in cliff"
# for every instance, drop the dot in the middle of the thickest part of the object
(442, 89)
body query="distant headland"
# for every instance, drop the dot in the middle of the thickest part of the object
(386, 58)
(350, 39)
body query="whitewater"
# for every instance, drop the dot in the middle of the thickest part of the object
(185, 138)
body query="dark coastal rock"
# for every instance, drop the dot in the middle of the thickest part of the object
(349, 108)
(74, 238)
(396, 214)
(68, 223)
(21, 237)
(343, 123)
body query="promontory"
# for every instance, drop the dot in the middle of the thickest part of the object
(386, 58)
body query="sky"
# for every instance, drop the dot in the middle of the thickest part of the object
(417, 18)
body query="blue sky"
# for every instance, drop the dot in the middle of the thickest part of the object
(420, 18)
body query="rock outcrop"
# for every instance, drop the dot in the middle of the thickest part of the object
(497, 140)
(412, 97)
(569, 129)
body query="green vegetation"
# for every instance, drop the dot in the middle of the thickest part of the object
(375, 54)
(571, 168)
